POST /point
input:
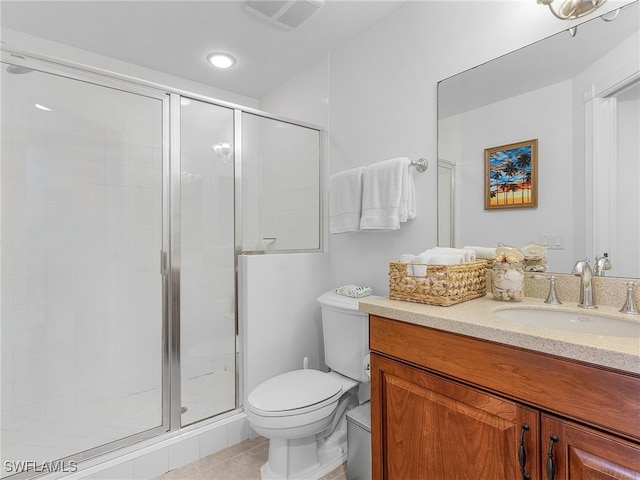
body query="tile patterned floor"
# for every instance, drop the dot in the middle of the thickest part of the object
(239, 462)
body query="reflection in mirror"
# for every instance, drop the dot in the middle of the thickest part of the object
(578, 97)
(446, 197)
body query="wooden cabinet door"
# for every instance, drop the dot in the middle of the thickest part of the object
(575, 452)
(427, 427)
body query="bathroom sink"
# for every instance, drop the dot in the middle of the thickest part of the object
(571, 321)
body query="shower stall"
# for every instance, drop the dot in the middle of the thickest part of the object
(124, 207)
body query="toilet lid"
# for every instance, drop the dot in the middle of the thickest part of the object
(294, 390)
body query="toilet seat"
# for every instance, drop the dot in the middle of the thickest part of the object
(294, 393)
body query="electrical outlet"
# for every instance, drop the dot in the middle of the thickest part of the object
(553, 241)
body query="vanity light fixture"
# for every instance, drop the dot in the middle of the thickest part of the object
(221, 60)
(572, 9)
(223, 150)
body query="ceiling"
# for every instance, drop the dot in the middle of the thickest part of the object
(175, 37)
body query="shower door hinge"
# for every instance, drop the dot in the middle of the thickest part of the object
(163, 263)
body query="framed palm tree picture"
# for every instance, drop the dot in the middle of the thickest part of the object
(511, 176)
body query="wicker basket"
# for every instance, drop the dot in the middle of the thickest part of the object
(442, 285)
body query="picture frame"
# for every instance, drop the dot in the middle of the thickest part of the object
(511, 176)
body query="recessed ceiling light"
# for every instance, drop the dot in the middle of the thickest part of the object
(221, 60)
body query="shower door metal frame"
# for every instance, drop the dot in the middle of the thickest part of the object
(174, 249)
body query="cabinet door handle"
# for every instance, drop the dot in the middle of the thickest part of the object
(522, 453)
(551, 469)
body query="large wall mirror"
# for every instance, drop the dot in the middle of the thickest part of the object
(577, 94)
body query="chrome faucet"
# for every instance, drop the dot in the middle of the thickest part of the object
(582, 268)
(552, 296)
(602, 263)
(630, 304)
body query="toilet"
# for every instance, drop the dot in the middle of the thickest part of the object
(303, 413)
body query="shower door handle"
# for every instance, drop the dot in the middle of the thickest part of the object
(163, 263)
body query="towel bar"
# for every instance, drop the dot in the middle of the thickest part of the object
(421, 164)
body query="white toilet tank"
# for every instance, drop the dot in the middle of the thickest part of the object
(346, 335)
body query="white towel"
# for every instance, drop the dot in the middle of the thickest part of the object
(408, 258)
(408, 196)
(467, 255)
(445, 259)
(417, 265)
(420, 264)
(388, 195)
(483, 252)
(345, 200)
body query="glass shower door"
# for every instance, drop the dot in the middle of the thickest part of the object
(207, 261)
(82, 292)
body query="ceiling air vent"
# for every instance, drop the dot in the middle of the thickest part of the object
(288, 14)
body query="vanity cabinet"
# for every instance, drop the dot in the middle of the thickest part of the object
(434, 428)
(448, 406)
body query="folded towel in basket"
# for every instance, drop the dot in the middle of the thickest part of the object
(353, 291)
(465, 254)
(483, 252)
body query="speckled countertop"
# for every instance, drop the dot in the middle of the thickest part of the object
(477, 318)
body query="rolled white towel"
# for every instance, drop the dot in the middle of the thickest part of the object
(433, 253)
(420, 265)
(408, 259)
(485, 253)
(445, 259)
(468, 255)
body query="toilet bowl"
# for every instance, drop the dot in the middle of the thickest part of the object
(303, 413)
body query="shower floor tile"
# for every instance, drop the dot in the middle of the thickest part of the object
(208, 395)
